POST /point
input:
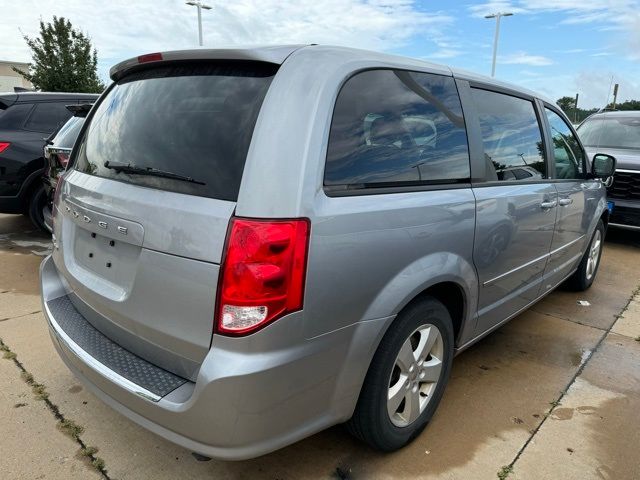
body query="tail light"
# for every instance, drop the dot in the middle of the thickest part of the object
(263, 273)
(63, 159)
(4, 146)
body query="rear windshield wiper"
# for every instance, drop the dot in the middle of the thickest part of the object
(154, 172)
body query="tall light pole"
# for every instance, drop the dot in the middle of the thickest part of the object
(199, 5)
(497, 16)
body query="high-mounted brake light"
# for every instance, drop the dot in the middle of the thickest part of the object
(263, 273)
(150, 57)
(4, 146)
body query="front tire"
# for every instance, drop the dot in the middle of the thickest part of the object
(584, 276)
(407, 377)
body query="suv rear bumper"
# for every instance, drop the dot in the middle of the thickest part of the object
(244, 403)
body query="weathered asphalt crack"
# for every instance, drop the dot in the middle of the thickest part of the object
(507, 469)
(66, 425)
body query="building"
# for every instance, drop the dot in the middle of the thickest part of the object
(10, 79)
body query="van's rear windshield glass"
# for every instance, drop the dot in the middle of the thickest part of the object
(193, 120)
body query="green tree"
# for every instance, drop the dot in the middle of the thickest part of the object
(567, 104)
(628, 105)
(63, 59)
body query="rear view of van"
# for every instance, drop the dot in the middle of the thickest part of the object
(252, 245)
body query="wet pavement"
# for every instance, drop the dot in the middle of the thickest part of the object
(553, 394)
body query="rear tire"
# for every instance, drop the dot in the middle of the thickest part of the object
(406, 378)
(584, 276)
(37, 203)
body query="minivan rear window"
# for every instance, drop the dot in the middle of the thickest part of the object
(192, 120)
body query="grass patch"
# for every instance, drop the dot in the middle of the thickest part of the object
(18, 405)
(88, 451)
(70, 428)
(27, 377)
(504, 472)
(555, 403)
(98, 464)
(9, 355)
(40, 391)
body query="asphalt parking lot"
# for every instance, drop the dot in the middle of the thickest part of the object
(553, 394)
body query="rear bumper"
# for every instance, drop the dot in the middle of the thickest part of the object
(246, 401)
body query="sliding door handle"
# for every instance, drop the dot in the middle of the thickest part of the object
(548, 205)
(565, 201)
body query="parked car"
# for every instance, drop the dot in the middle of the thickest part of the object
(26, 120)
(618, 134)
(250, 246)
(57, 151)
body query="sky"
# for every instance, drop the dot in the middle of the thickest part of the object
(555, 47)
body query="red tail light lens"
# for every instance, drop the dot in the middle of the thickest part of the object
(63, 158)
(4, 146)
(263, 273)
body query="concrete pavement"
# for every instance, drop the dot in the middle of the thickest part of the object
(553, 394)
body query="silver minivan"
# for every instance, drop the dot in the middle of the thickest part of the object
(252, 245)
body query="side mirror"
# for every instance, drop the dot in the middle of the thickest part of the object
(603, 166)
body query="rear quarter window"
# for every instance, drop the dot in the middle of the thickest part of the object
(194, 120)
(13, 117)
(396, 128)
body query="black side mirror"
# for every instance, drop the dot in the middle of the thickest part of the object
(603, 166)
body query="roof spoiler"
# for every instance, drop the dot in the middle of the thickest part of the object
(23, 89)
(274, 54)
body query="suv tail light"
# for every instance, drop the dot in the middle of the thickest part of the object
(263, 273)
(63, 159)
(4, 146)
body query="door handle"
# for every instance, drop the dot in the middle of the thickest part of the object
(565, 201)
(548, 205)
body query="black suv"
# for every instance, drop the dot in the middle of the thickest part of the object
(26, 120)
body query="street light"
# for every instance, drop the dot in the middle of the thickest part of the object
(497, 16)
(199, 5)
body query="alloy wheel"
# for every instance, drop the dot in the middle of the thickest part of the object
(594, 254)
(415, 375)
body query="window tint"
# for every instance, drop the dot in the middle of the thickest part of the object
(566, 149)
(394, 128)
(194, 120)
(46, 117)
(513, 147)
(14, 117)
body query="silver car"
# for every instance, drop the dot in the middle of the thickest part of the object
(253, 245)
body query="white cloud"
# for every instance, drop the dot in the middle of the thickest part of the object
(123, 28)
(523, 58)
(446, 53)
